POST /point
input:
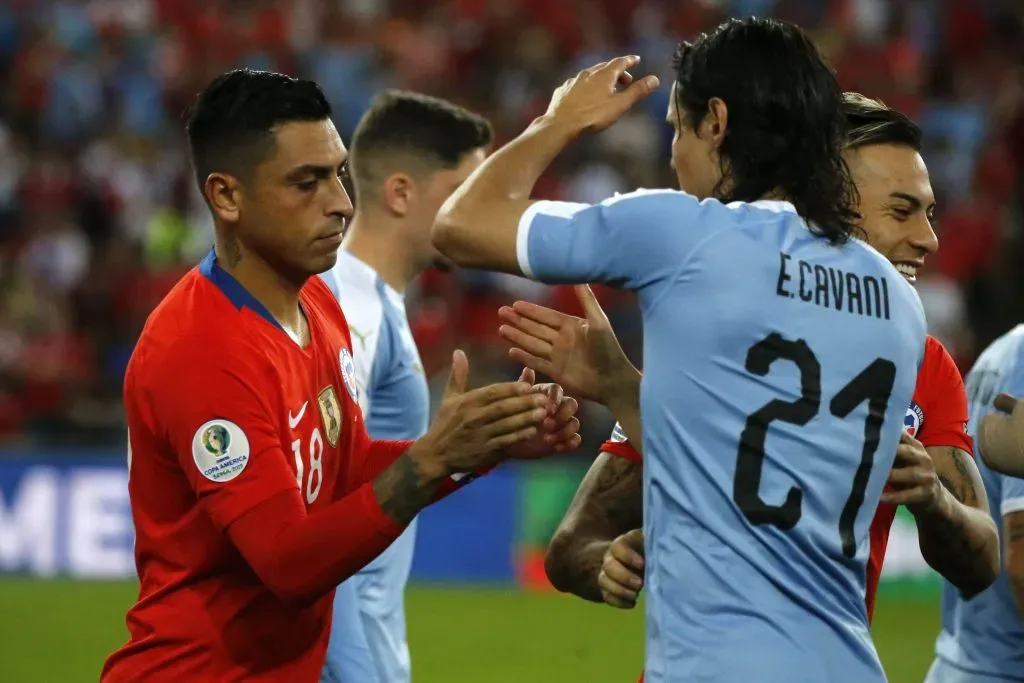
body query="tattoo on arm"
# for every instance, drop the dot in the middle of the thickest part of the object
(616, 501)
(401, 490)
(608, 503)
(961, 545)
(959, 474)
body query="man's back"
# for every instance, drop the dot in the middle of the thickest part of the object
(778, 369)
(983, 638)
(756, 546)
(395, 400)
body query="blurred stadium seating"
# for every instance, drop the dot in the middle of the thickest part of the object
(99, 217)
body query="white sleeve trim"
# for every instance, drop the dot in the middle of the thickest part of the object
(560, 209)
(523, 238)
(1012, 505)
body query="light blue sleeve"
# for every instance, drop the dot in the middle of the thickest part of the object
(1012, 498)
(633, 240)
(386, 358)
(348, 651)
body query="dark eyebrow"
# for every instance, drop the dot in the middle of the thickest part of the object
(915, 202)
(314, 170)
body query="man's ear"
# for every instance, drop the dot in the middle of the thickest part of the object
(224, 193)
(716, 122)
(398, 193)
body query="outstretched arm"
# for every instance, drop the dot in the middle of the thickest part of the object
(478, 226)
(581, 354)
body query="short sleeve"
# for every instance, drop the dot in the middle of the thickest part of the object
(619, 446)
(945, 422)
(1012, 494)
(633, 240)
(219, 423)
(1013, 487)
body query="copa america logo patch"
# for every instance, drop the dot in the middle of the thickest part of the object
(913, 420)
(220, 450)
(348, 373)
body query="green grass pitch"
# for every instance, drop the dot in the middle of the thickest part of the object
(60, 632)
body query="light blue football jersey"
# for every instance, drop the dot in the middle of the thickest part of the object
(349, 657)
(982, 639)
(777, 371)
(395, 399)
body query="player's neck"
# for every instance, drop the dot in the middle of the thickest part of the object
(278, 294)
(378, 242)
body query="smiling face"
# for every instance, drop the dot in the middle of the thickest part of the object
(897, 204)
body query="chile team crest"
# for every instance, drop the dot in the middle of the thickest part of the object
(348, 373)
(914, 419)
(330, 413)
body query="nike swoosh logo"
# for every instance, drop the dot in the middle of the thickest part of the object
(293, 420)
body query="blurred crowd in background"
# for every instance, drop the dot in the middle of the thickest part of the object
(99, 215)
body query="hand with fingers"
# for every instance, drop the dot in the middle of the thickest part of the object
(597, 97)
(474, 428)
(622, 572)
(559, 431)
(581, 354)
(1001, 436)
(913, 481)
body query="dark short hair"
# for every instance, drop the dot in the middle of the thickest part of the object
(872, 122)
(413, 129)
(231, 124)
(786, 128)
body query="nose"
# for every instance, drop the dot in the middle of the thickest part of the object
(923, 236)
(339, 204)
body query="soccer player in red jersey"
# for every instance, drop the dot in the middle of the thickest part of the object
(254, 487)
(597, 552)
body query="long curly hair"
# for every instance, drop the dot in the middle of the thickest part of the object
(786, 127)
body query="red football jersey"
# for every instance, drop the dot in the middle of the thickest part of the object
(225, 412)
(937, 416)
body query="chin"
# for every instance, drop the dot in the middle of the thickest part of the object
(321, 264)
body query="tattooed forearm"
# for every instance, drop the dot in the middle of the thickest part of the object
(1013, 551)
(959, 539)
(608, 503)
(960, 476)
(403, 490)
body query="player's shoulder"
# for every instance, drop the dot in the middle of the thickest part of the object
(354, 285)
(351, 277)
(938, 377)
(196, 326)
(936, 357)
(1004, 356)
(680, 202)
